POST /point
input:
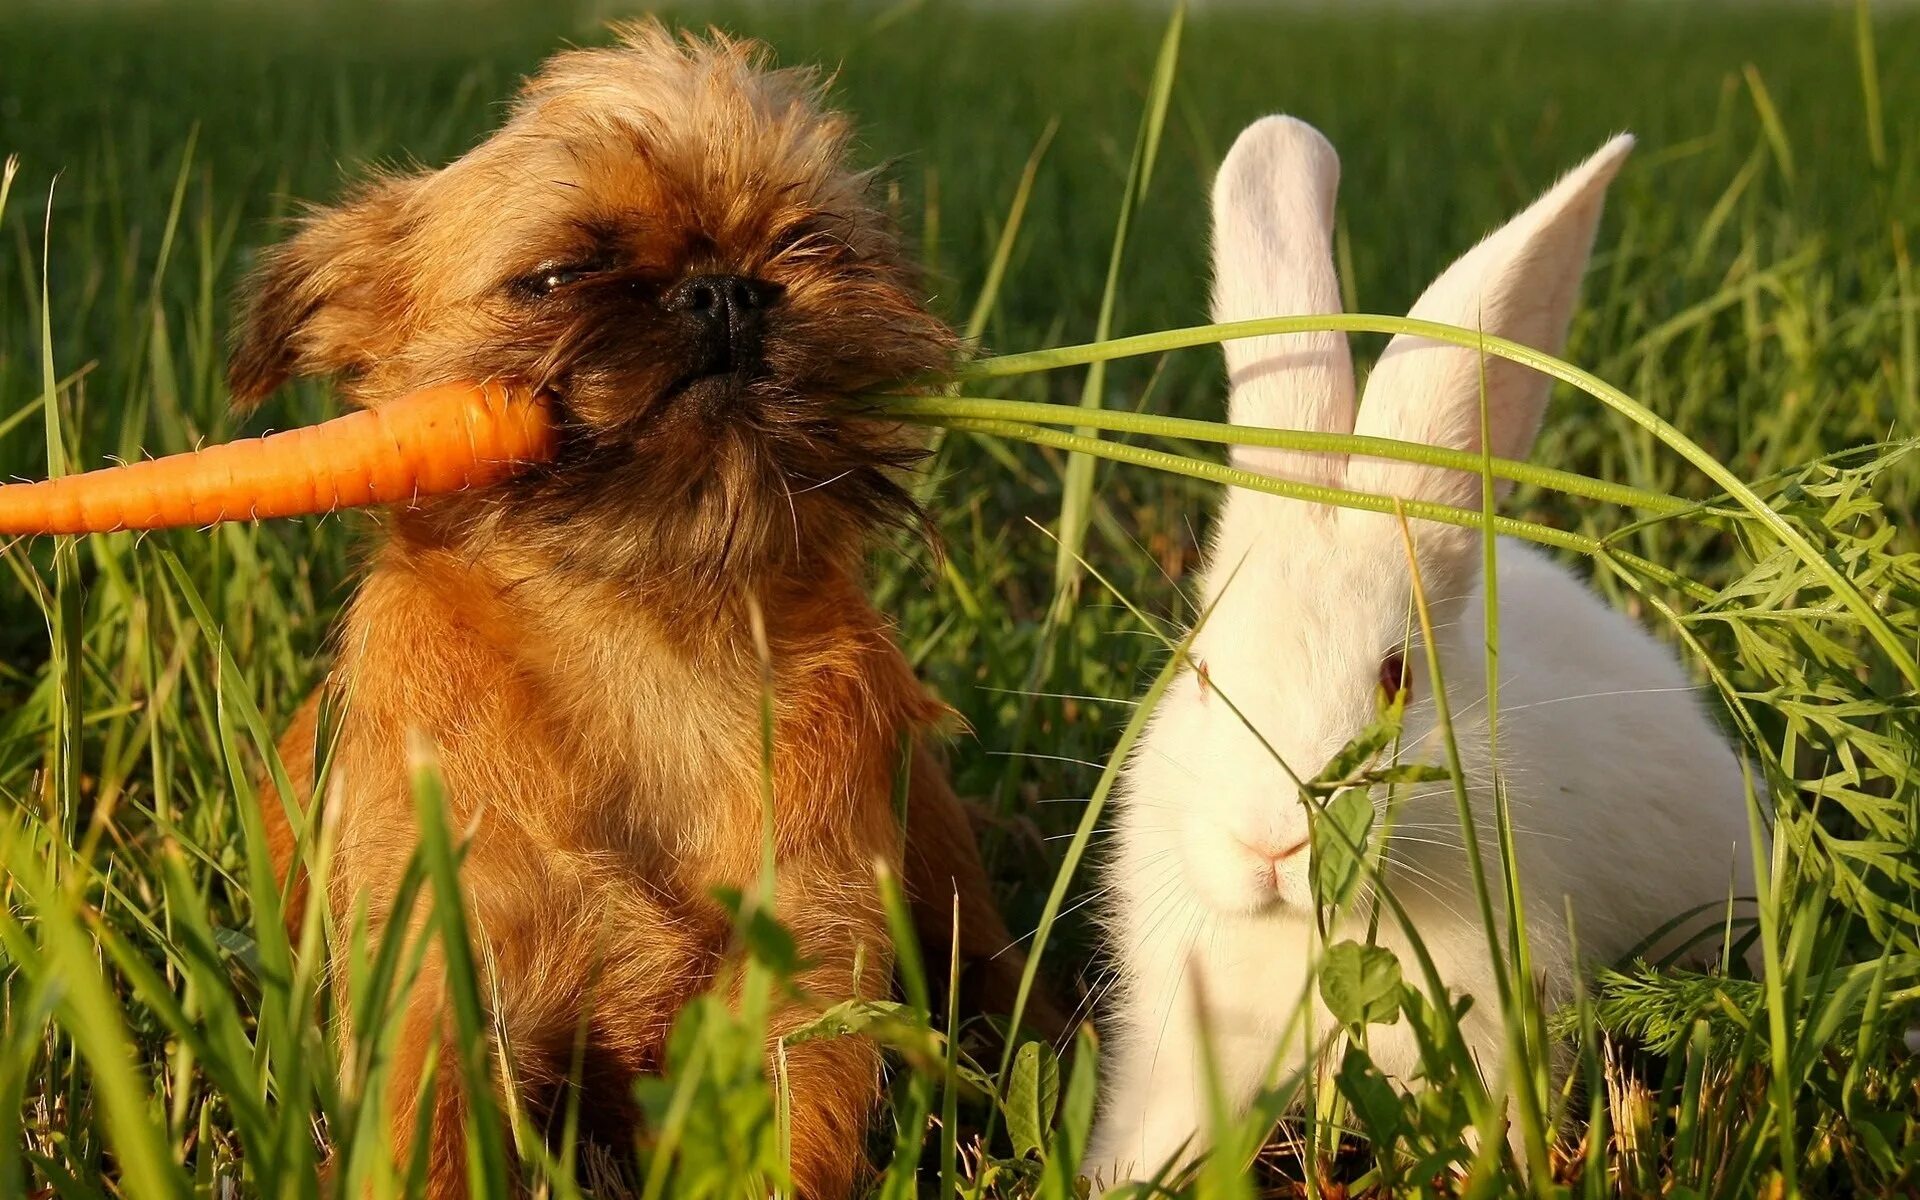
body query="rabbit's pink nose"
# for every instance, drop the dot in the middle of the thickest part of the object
(1271, 852)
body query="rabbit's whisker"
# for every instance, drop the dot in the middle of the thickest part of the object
(1603, 696)
(1000, 691)
(1036, 756)
(1091, 833)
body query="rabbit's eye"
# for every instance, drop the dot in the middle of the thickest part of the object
(1396, 681)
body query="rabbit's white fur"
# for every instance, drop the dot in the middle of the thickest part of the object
(1626, 800)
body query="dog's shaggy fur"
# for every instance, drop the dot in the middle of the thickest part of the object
(577, 643)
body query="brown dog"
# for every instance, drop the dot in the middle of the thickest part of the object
(665, 235)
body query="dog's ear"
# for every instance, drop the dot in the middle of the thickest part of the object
(325, 300)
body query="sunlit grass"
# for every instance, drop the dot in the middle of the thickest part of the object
(1730, 452)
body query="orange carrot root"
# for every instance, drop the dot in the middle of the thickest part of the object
(442, 440)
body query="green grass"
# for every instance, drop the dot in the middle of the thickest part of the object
(1753, 301)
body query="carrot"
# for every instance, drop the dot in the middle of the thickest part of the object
(441, 440)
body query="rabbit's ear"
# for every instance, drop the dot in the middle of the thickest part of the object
(1520, 284)
(1273, 257)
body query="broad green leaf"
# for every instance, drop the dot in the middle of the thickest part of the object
(1339, 840)
(1032, 1091)
(1373, 1099)
(1360, 984)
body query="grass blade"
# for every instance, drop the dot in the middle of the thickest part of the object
(1898, 652)
(486, 1145)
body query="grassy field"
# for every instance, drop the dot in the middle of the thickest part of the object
(1754, 286)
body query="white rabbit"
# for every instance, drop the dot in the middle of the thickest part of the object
(1626, 799)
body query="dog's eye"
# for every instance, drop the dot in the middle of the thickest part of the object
(549, 278)
(1396, 681)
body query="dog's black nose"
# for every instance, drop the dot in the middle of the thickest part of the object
(726, 313)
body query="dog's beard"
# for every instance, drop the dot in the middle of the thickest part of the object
(696, 485)
(703, 504)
